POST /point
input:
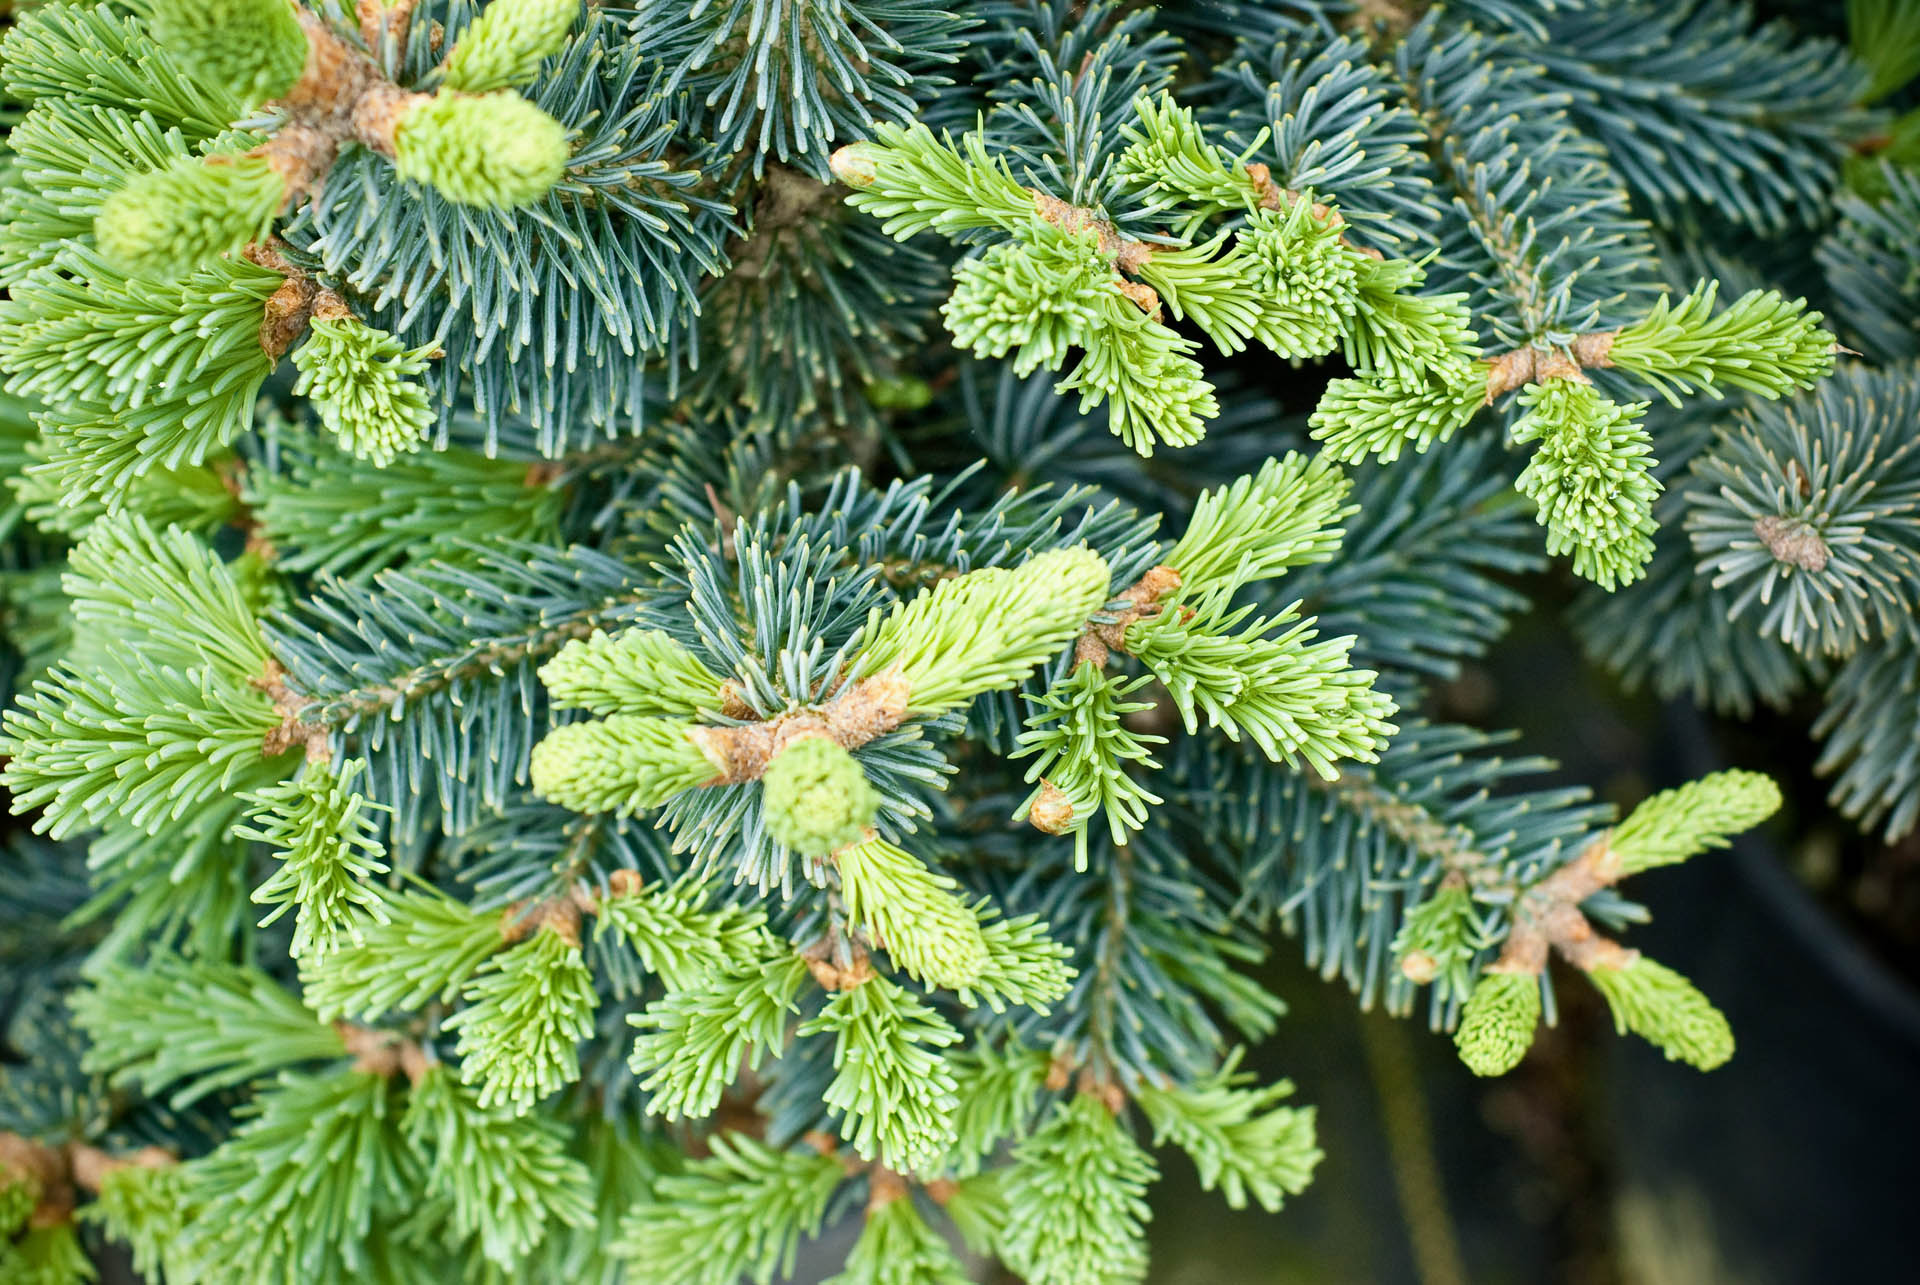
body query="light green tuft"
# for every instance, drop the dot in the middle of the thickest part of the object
(635, 671)
(507, 43)
(254, 48)
(816, 797)
(1666, 1010)
(1675, 824)
(1592, 477)
(623, 764)
(1497, 1027)
(987, 629)
(169, 221)
(366, 388)
(495, 151)
(913, 914)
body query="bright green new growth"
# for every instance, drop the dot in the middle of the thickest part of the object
(635, 671)
(50, 1255)
(898, 1247)
(892, 1092)
(141, 1207)
(196, 1025)
(19, 1193)
(679, 939)
(269, 1206)
(136, 374)
(324, 836)
(1075, 1199)
(1591, 476)
(1760, 343)
(494, 151)
(816, 798)
(1036, 300)
(507, 43)
(1293, 697)
(1357, 418)
(365, 387)
(254, 48)
(1240, 1139)
(694, 1040)
(423, 949)
(985, 630)
(526, 1013)
(1261, 524)
(505, 1175)
(1025, 967)
(1701, 815)
(1497, 1025)
(1438, 938)
(737, 1213)
(622, 764)
(171, 220)
(1069, 279)
(912, 914)
(1667, 1011)
(1078, 730)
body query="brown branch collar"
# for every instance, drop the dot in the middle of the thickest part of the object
(1548, 918)
(1529, 365)
(60, 1171)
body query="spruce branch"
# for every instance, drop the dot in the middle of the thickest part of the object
(423, 948)
(1498, 1022)
(1025, 967)
(1591, 476)
(913, 914)
(197, 1026)
(1075, 1199)
(323, 832)
(1293, 697)
(635, 671)
(898, 1247)
(253, 48)
(293, 1191)
(506, 44)
(1084, 748)
(677, 935)
(1665, 1009)
(527, 1009)
(694, 1040)
(738, 1213)
(506, 1175)
(892, 1092)
(985, 630)
(363, 383)
(1240, 1139)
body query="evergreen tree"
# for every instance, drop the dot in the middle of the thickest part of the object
(606, 664)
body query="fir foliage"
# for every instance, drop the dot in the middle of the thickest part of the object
(626, 543)
(738, 1214)
(324, 835)
(363, 385)
(1675, 824)
(1498, 1022)
(188, 212)
(254, 48)
(526, 1011)
(892, 1092)
(1662, 1007)
(506, 44)
(494, 151)
(1075, 1207)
